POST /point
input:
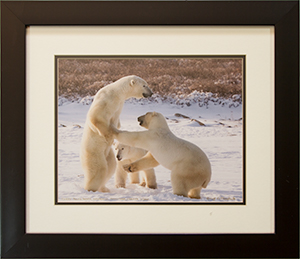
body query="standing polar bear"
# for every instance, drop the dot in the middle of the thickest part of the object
(127, 154)
(190, 167)
(97, 156)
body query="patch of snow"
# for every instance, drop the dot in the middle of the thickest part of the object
(221, 138)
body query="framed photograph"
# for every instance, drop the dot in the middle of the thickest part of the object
(226, 83)
(185, 93)
(214, 116)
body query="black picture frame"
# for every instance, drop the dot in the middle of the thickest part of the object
(16, 15)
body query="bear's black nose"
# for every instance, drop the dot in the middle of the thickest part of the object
(140, 120)
(119, 157)
(147, 95)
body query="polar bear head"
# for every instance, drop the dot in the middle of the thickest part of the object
(123, 151)
(138, 87)
(153, 120)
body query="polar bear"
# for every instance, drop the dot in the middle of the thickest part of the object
(97, 157)
(125, 155)
(189, 165)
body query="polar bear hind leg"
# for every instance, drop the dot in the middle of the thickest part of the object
(195, 193)
(150, 178)
(94, 177)
(111, 167)
(98, 173)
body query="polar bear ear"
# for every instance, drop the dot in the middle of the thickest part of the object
(132, 82)
(154, 114)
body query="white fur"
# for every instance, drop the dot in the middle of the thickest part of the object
(125, 155)
(97, 157)
(190, 167)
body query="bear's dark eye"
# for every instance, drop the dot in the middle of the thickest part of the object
(122, 148)
(144, 86)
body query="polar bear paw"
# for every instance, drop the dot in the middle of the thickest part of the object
(152, 186)
(130, 168)
(104, 189)
(143, 184)
(120, 185)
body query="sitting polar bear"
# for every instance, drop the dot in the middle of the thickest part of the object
(190, 167)
(97, 156)
(126, 155)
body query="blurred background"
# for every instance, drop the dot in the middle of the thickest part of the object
(80, 77)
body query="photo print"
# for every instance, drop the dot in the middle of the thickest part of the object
(198, 99)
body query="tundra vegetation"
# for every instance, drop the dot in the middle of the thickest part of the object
(167, 77)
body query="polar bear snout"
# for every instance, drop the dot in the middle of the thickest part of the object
(148, 94)
(141, 120)
(119, 156)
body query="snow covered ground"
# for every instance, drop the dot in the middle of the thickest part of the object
(221, 138)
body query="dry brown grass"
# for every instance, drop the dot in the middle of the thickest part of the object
(83, 77)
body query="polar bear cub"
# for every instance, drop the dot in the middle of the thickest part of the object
(97, 157)
(190, 167)
(125, 155)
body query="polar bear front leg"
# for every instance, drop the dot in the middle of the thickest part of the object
(143, 179)
(120, 176)
(178, 182)
(102, 127)
(134, 178)
(100, 123)
(146, 162)
(137, 139)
